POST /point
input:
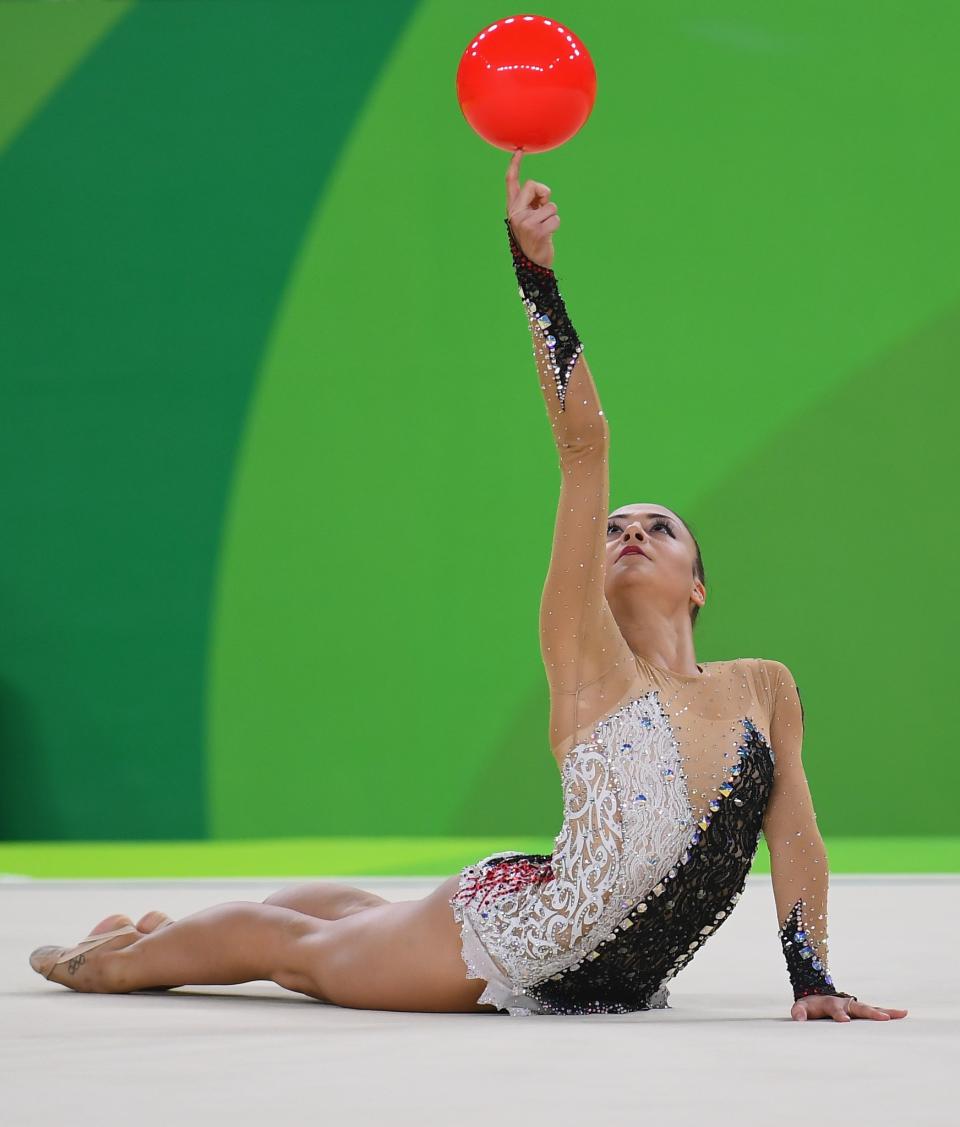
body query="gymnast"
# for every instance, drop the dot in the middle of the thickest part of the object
(670, 770)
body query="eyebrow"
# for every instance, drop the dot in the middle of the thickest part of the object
(656, 516)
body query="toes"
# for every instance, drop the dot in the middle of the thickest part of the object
(89, 969)
(111, 923)
(153, 920)
(42, 957)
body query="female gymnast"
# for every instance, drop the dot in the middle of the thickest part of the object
(670, 770)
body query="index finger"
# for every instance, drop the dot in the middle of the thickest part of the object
(513, 177)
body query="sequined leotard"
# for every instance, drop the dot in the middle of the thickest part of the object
(668, 779)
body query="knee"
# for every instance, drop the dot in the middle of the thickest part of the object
(276, 898)
(292, 896)
(306, 965)
(326, 899)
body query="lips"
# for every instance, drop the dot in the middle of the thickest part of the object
(633, 551)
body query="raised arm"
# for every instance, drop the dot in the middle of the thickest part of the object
(798, 857)
(579, 637)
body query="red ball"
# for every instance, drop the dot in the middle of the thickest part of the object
(526, 82)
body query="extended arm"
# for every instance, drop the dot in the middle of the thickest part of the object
(797, 854)
(579, 637)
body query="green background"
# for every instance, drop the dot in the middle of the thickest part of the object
(278, 488)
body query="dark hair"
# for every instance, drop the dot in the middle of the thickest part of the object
(698, 570)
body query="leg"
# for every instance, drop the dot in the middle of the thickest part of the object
(403, 956)
(325, 899)
(227, 944)
(399, 956)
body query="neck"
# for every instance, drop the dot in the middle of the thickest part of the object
(663, 641)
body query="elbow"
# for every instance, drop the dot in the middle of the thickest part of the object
(590, 440)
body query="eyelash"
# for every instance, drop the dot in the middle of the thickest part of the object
(656, 524)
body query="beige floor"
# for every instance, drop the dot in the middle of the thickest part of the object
(726, 1053)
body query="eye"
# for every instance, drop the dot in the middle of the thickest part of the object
(656, 524)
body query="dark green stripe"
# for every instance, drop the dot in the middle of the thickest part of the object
(149, 216)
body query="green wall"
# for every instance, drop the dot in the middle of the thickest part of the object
(278, 485)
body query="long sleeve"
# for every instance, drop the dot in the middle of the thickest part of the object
(579, 637)
(798, 857)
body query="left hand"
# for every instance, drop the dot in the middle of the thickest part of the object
(829, 1005)
(533, 217)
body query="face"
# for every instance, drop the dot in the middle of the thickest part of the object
(663, 574)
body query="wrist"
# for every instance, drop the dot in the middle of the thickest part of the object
(808, 972)
(556, 340)
(808, 991)
(519, 256)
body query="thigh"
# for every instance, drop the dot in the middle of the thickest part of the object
(401, 956)
(325, 899)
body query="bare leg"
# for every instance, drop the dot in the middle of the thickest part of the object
(398, 956)
(402, 956)
(325, 899)
(223, 945)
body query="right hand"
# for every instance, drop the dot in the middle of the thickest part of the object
(533, 219)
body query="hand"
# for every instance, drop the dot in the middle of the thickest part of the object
(840, 1009)
(532, 218)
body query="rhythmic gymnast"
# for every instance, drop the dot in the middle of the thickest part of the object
(670, 771)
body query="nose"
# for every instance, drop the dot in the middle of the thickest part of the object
(637, 531)
(639, 540)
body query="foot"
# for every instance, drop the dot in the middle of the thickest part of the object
(84, 972)
(152, 921)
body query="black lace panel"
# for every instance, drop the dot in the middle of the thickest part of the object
(661, 933)
(807, 973)
(546, 310)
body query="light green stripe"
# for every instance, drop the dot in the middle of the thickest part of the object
(40, 44)
(737, 246)
(392, 856)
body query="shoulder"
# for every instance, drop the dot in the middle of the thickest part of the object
(772, 680)
(768, 676)
(743, 663)
(776, 672)
(786, 704)
(766, 672)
